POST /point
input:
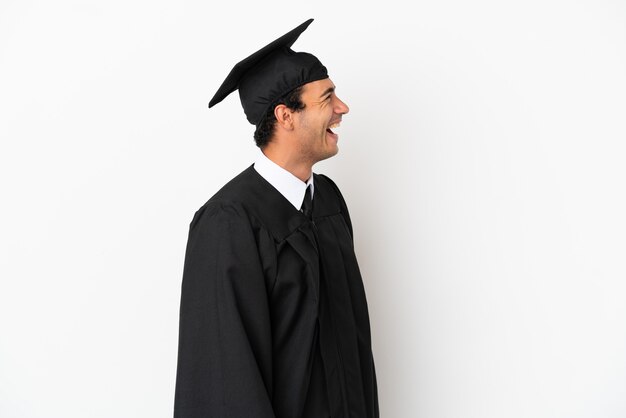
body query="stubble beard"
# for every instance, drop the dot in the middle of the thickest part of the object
(311, 149)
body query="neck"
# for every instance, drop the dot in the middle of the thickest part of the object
(288, 161)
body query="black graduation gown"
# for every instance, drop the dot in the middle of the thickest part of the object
(273, 316)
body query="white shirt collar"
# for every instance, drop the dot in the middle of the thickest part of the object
(290, 186)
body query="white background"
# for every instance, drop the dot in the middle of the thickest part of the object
(483, 161)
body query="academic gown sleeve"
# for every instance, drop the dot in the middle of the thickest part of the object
(225, 347)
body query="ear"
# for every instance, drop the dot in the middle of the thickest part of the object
(284, 116)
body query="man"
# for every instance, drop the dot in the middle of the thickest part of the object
(273, 318)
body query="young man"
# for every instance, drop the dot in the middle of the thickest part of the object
(273, 318)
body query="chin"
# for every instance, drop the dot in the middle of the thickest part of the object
(327, 155)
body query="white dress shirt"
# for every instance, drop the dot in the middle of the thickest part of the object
(290, 186)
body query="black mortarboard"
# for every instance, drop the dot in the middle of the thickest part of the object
(270, 73)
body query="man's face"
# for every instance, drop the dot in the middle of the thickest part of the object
(323, 109)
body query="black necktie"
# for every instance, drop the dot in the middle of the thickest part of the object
(307, 204)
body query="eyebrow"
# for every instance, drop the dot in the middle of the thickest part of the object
(328, 91)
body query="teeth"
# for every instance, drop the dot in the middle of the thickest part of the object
(334, 125)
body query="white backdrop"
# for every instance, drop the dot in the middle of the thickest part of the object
(482, 160)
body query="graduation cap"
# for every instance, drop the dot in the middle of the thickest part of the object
(270, 73)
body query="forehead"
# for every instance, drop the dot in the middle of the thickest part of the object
(317, 88)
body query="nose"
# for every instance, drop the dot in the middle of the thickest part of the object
(341, 107)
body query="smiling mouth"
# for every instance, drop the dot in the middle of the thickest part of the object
(334, 125)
